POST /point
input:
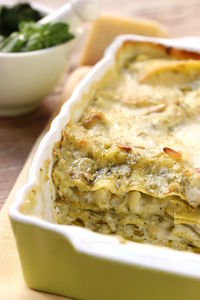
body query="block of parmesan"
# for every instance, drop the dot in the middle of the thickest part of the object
(106, 28)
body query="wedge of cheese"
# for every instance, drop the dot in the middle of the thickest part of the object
(106, 28)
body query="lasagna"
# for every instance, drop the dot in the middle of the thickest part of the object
(130, 165)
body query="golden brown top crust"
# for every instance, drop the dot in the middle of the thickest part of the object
(170, 52)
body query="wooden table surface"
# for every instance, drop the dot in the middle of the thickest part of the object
(17, 135)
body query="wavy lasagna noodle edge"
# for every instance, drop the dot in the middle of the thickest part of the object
(129, 165)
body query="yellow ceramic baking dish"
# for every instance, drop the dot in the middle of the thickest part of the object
(76, 262)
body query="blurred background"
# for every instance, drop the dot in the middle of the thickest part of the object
(180, 16)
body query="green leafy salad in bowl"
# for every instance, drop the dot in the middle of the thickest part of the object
(20, 32)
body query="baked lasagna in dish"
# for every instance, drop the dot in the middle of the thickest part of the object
(130, 165)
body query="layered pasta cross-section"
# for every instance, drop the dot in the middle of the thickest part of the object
(130, 165)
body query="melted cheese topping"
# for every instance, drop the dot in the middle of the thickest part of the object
(140, 132)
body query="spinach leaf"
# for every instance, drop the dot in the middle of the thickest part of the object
(13, 43)
(10, 17)
(56, 33)
(33, 36)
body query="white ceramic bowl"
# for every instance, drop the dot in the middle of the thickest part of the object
(77, 262)
(25, 78)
